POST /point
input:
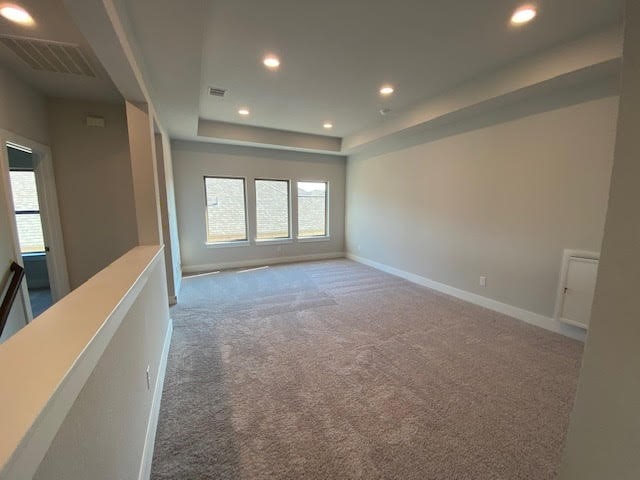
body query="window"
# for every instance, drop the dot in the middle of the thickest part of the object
(312, 209)
(25, 201)
(226, 213)
(272, 209)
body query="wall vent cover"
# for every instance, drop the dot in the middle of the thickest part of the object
(217, 92)
(49, 56)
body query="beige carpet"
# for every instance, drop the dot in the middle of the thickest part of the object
(334, 370)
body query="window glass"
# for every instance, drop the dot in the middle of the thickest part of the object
(312, 209)
(272, 209)
(30, 234)
(23, 187)
(27, 208)
(226, 214)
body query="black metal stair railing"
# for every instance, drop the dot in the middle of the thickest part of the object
(12, 292)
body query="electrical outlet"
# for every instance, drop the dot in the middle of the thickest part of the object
(148, 378)
(483, 281)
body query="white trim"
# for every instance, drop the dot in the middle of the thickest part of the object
(50, 214)
(258, 262)
(319, 238)
(579, 325)
(11, 215)
(51, 224)
(327, 208)
(510, 310)
(562, 279)
(272, 241)
(152, 425)
(254, 227)
(235, 243)
(247, 229)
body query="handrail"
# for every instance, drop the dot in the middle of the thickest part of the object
(10, 296)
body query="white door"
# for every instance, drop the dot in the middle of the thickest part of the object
(578, 290)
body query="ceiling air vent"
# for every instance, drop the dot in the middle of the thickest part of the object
(217, 92)
(49, 56)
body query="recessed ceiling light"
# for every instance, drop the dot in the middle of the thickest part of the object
(523, 14)
(243, 111)
(327, 125)
(16, 14)
(271, 61)
(386, 90)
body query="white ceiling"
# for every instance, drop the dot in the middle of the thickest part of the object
(52, 22)
(335, 54)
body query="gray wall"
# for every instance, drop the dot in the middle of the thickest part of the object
(103, 435)
(194, 160)
(168, 215)
(22, 111)
(501, 201)
(604, 433)
(94, 185)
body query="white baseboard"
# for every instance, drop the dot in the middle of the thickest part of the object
(147, 452)
(208, 267)
(527, 316)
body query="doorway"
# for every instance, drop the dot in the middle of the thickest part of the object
(33, 248)
(26, 172)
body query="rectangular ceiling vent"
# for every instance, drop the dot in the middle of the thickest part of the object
(49, 56)
(217, 92)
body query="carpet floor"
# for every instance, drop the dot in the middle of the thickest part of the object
(334, 370)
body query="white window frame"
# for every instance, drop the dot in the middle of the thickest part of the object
(317, 238)
(30, 212)
(49, 214)
(228, 243)
(279, 240)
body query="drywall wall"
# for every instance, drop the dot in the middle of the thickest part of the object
(145, 173)
(501, 201)
(109, 431)
(168, 215)
(604, 433)
(22, 108)
(193, 160)
(22, 112)
(94, 181)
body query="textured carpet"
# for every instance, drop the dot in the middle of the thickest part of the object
(334, 370)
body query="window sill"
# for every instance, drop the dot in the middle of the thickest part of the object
(324, 238)
(274, 241)
(239, 243)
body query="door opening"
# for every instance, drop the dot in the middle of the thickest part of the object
(31, 237)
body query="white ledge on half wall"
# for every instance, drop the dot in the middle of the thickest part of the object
(46, 364)
(526, 316)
